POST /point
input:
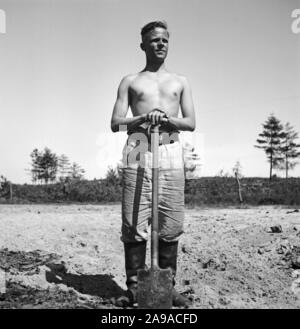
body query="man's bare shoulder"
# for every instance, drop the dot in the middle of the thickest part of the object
(181, 78)
(128, 79)
(126, 83)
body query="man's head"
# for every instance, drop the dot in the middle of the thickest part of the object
(155, 40)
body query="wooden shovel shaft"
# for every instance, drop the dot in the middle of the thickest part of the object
(155, 286)
(154, 226)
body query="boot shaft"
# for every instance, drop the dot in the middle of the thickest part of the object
(135, 256)
(168, 252)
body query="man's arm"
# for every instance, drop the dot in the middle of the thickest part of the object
(121, 108)
(187, 122)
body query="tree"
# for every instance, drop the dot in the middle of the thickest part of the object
(237, 172)
(112, 176)
(44, 165)
(35, 165)
(270, 141)
(5, 188)
(4, 184)
(222, 173)
(63, 167)
(76, 172)
(289, 148)
(237, 169)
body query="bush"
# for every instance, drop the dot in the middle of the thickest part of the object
(255, 191)
(215, 191)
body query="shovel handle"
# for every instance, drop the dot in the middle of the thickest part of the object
(154, 226)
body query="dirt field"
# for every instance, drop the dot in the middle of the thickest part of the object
(71, 256)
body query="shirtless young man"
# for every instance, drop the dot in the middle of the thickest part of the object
(154, 96)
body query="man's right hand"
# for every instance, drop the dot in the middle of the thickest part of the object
(156, 116)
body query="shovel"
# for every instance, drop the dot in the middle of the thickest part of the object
(155, 285)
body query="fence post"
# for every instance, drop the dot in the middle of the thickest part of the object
(2, 282)
(10, 191)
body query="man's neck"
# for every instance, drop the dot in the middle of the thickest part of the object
(155, 67)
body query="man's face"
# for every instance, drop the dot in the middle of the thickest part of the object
(156, 44)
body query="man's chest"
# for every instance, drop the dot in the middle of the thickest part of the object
(146, 88)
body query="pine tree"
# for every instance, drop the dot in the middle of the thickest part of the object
(290, 148)
(270, 141)
(44, 165)
(112, 176)
(35, 170)
(76, 172)
(63, 166)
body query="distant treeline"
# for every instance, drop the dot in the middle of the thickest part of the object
(254, 191)
(203, 191)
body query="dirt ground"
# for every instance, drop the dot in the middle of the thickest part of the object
(71, 256)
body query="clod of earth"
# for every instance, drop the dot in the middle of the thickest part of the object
(275, 229)
(292, 211)
(296, 263)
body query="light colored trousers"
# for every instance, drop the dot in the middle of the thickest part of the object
(137, 192)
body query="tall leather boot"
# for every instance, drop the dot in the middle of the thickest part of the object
(168, 252)
(135, 256)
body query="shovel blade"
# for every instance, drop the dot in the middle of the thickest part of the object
(155, 289)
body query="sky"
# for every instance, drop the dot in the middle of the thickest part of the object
(61, 62)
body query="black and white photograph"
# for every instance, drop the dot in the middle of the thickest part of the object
(149, 156)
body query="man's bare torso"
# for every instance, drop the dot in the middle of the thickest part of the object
(150, 90)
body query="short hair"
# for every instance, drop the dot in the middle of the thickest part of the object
(152, 25)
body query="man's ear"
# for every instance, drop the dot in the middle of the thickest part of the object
(142, 46)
